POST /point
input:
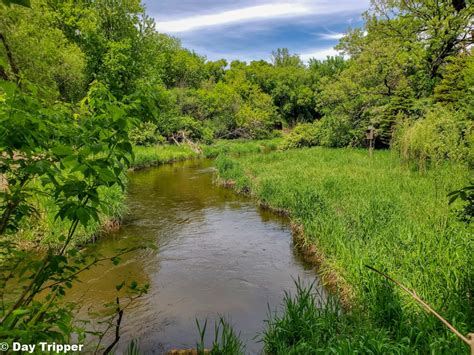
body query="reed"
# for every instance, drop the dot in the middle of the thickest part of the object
(226, 340)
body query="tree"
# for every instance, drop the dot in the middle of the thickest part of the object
(442, 27)
(216, 70)
(329, 67)
(41, 53)
(456, 87)
(283, 58)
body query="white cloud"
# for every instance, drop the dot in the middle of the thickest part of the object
(319, 54)
(233, 16)
(331, 36)
(275, 9)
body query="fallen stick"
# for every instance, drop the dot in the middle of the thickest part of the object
(469, 340)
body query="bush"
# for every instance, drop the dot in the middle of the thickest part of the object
(327, 132)
(257, 116)
(254, 123)
(337, 133)
(207, 135)
(441, 135)
(303, 135)
(146, 133)
(196, 130)
(178, 127)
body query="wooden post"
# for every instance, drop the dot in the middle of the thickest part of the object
(370, 135)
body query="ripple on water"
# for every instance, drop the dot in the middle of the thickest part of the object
(217, 254)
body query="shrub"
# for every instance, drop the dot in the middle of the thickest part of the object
(146, 133)
(207, 136)
(254, 123)
(327, 132)
(196, 130)
(337, 132)
(441, 135)
(178, 127)
(303, 135)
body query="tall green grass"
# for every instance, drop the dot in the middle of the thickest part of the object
(240, 147)
(305, 325)
(361, 211)
(226, 340)
(160, 154)
(44, 230)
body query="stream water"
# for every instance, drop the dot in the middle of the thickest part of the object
(217, 254)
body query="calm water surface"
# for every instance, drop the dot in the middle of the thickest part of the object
(217, 253)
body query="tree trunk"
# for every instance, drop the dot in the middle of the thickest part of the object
(13, 66)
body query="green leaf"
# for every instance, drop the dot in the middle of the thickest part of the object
(62, 150)
(72, 252)
(126, 146)
(19, 312)
(107, 175)
(82, 215)
(8, 87)
(453, 198)
(63, 327)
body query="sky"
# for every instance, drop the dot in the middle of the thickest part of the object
(250, 30)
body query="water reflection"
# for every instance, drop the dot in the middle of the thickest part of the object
(217, 254)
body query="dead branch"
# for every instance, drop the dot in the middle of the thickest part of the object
(469, 340)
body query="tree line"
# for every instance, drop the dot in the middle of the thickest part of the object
(411, 61)
(82, 81)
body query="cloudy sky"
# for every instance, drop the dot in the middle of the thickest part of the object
(250, 30)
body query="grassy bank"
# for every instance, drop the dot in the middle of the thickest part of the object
(45, 230)
(240, 147)
(155, 155)
(355, 211)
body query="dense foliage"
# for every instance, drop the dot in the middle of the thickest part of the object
(410, 61)
(83, 81)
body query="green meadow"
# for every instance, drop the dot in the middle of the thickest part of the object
(354, 210)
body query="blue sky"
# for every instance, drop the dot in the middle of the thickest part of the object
(250, 30)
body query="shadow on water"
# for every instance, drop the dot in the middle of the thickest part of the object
(217, 253)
